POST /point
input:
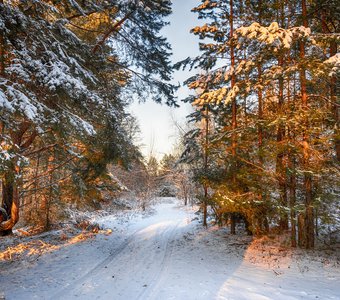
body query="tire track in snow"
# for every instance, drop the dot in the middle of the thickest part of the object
(158, 278)
(94, 271)
(164, 237)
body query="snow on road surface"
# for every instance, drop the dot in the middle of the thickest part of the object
(168, 255)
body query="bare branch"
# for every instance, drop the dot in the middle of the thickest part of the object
(110, 31)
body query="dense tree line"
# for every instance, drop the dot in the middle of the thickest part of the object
(267, 114)
(67, 72)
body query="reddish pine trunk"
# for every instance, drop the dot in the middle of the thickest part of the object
(232, 85)
(7, 200)
(233, 223)
(333, 49)
(301, 231)
(292, 177)
(334, 99)
(233, 112)
(260, 117)
(206, 154)
(280, 167)
(10, 202)
(309, 213)
(262, 222)
(10, 195)
(292, 201)
(205, 206)
(2, 55)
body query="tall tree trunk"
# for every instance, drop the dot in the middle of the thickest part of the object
(280, 166)
(336, 104)
(232, 85)
(233, 111)
(292, 199)
(262, 219)
(10, 202)
(301, 231)
(7, 199)
(2, 54)
(185, 194)
(206, 155)
(260, 117)
(233, 223)
(46, 198)
(309, 213)
(281, 134)
(262, 222)
(10, 195)
(205, 206)
(292, 164)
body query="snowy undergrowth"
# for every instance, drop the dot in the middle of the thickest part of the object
(28, 243)
(268, 252)
(226, 266)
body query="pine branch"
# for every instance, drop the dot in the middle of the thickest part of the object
(53, 169)
(30, 140)
(111, 31)
(40, 149)
(85, 29)
(24, 192)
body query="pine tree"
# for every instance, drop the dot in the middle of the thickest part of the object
(277, 73)
(62, 87)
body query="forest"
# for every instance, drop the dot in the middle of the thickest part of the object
(69, 69)
(267, 115)
(261, 147)
(246, 204)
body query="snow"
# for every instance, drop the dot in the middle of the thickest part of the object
(167, 254)
(78, 122)
(4, 103)
(334, 63)
(273, 34)
(46, 61)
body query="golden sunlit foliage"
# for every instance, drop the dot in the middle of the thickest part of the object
(267, 81)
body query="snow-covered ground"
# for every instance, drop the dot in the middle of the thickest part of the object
(168, 255)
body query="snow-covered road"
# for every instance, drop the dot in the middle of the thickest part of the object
(134, 269)
(166, 256)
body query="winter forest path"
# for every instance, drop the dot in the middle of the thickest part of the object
(166, 255)
(134, 268)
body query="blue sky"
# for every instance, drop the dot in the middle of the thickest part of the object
(158, 131)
